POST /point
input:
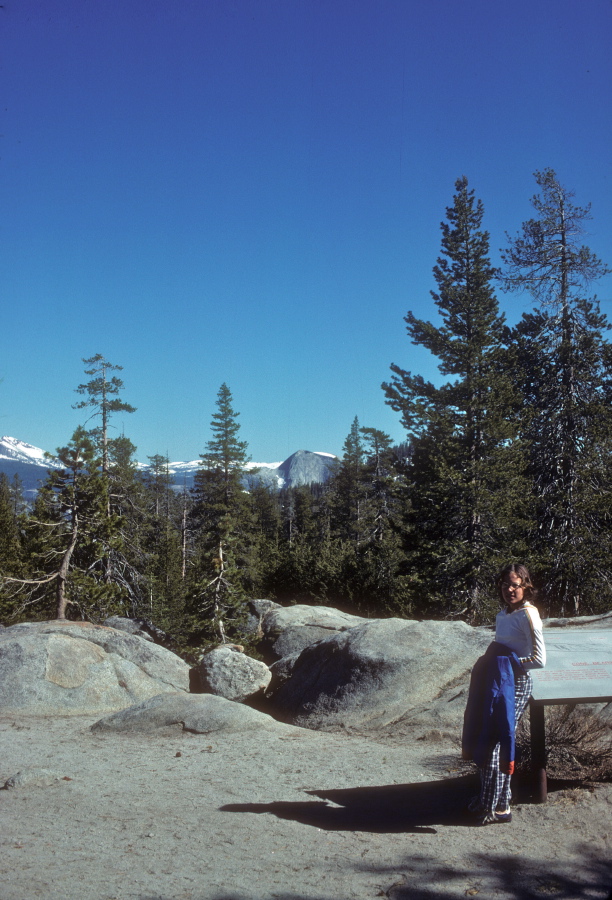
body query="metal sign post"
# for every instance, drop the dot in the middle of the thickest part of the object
(578, 670)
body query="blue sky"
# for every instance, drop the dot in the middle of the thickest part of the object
(250, 192)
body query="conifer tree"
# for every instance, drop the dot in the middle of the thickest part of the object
(9, 532)
(10, 545)
(222, 519)
(161, 550)
(563, 364)
(306, 564)
(69, 534)
(346, 486)
(362, 550)
(294, 578)
(159, 483)
(44, 543)
(376, 583)
(17, 498)
(267, 537)
(465, 471)
(82, 497)
(126, 507)
(103, 396)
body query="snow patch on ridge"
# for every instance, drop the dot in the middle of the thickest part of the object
(11, 448)
(299, 468)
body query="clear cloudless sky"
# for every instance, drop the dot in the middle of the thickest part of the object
(251, 191)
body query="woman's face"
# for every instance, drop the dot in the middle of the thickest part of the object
(512, 590)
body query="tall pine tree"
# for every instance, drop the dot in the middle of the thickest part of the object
(103, 397)
(222, 520)
(563, 364)
(347, 487)
(465, 472)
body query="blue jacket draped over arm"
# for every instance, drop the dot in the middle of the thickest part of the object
(490, 712)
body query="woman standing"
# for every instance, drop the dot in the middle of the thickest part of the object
(491, 714)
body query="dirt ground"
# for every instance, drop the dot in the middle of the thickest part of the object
(257, 816)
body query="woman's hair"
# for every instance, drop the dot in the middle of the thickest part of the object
(522, 572)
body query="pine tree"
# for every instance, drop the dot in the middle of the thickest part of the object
(380, 553)
(9, 532)
(304, 566)
(222, 519)
(69, 535)
(346, 486)
(563, 364)
(465, 471)
(362, 550)
(103, 397)
(126, 508)
(159, 483)
(161, 549)
(17, 498)
(10, 545)
(267, 537)
(82, 496)
(44, 543)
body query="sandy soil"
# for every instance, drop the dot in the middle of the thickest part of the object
(178, 816)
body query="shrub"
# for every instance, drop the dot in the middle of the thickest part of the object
(578, 744)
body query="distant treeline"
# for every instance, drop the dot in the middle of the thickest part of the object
(508, 460)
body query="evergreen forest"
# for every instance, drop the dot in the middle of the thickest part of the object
(507, 459)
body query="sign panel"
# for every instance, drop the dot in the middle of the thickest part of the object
(578, 667)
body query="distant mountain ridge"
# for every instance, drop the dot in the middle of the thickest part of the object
(27, 461)
(301, 468)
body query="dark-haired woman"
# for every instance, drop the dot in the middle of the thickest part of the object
(518, 647)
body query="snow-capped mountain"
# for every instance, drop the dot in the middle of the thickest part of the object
(27, 461)
(302, 467)
(186, 470)
(19, 451)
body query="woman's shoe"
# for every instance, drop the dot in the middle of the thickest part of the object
(495, 818)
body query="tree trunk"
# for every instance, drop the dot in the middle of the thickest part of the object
(62, 575)
(184, 542)
(218, 609)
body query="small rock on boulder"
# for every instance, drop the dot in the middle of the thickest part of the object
(228, 673)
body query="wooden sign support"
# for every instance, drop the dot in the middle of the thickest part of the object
(578, 670)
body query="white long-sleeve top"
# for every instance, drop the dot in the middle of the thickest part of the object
(521, 631)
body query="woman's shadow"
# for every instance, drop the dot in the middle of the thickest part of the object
(386, 809)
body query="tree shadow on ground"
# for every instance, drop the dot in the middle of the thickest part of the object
(509, 877)
(483, 874)
(585, 877)
(391, 808)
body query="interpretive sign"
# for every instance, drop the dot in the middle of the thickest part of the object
(578, 670)
(578, 667)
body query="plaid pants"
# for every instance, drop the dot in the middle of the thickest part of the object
(494, 785)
